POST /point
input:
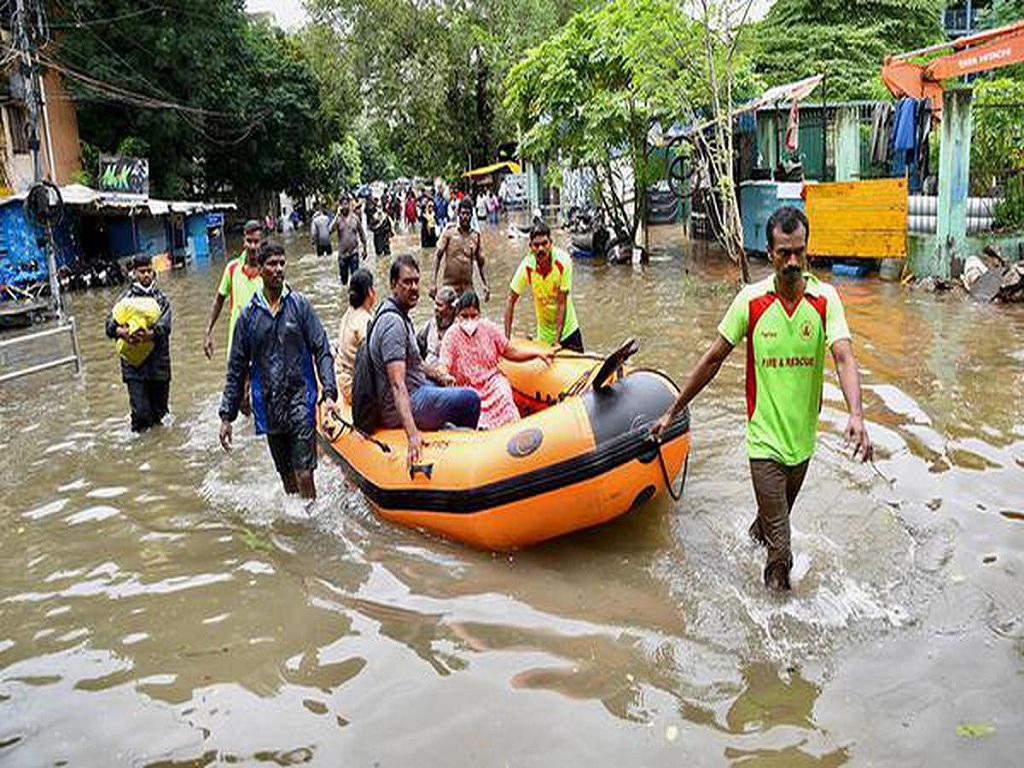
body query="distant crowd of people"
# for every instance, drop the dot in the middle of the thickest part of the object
(394, 212)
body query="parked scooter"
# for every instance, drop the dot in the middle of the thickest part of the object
(591, 238)
(94, 273)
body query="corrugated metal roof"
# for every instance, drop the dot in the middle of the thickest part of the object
(80, 196)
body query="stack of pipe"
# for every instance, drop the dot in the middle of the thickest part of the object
(922, 214)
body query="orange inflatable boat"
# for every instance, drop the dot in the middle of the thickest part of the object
(582, 455)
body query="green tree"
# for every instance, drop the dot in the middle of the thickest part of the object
(997, 147)
(278, 90)
(592, 93)
(844, 39)
(334, 164)
(90, 165)
(338, 166)
(378, 159)
(227, 105)
(1003, 12)
(429, 74)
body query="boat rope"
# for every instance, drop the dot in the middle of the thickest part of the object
(577, 386)
(349, 425)
(676, 496)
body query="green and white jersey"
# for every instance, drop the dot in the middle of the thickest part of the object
(785, 363)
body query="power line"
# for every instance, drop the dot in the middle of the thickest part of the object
(124, 61)
(244, 132)
(117, 94)
(80, 23)
(25, 45)
(132, 97)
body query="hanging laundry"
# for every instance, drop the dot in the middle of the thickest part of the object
(881, 133)
(904, 141)
(924, 129)
(905, 127)
(793, 129)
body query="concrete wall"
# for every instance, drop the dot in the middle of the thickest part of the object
(921, 250)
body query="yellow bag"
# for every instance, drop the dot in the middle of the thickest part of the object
(136, 312)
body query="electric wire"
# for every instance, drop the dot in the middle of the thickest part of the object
(36, 27)
(116, 94)
(81, 23)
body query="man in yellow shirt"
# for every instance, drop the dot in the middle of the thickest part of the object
(547, 272)
(239, 283)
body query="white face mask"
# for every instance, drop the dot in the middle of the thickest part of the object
(468, 326)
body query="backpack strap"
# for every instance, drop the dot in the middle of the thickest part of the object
(385, 308)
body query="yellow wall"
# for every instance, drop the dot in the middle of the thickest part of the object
(866, 219)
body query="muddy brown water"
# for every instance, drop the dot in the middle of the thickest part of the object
(162, 603)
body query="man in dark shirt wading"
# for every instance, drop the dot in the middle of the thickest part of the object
(278, 339)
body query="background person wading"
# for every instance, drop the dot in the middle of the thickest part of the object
(351, 239)
(460, 249)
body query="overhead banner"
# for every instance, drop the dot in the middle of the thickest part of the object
(124, 175)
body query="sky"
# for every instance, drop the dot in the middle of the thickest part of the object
(289, 13)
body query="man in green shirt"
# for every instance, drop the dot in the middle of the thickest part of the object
(239, 283)
(547, 272)
(789, 320)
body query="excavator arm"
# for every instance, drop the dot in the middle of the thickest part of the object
(975, 53)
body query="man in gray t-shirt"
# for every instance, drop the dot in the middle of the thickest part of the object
(394, 340)
(351, 239)
(320, 232)
(406, 397)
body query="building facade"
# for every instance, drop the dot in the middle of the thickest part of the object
(59, 149)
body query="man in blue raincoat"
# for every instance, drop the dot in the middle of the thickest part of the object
(280, 344)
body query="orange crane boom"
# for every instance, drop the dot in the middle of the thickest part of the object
(983, 51)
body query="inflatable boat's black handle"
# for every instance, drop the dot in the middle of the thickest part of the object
(676, 496)
(613, 363)
(427, 470)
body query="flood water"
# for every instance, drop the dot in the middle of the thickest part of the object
(162, 603)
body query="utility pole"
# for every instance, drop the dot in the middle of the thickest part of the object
(25, 42)
(26, 36)
(26, 47)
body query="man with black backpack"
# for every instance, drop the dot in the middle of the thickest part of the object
(390, 385)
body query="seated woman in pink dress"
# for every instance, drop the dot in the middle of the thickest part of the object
(471, 350)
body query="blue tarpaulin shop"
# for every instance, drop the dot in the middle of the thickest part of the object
(101, 226)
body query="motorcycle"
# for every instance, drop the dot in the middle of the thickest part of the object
(591, 238)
